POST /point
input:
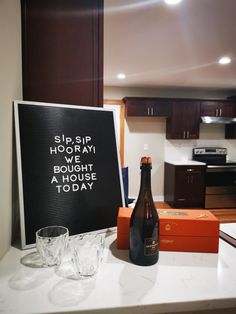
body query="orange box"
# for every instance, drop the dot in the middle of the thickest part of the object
(123, 220)
(183, 230)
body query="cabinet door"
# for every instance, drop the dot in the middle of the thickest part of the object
(174, 124)
(227, 109)
(181, 187)
(209, 108)
(62, 51)
(217, 108)
(161, 108)
(184, 122)
(197, 187)
(230, 131)
(148, 107)
(136, 109)
(191, 119)
(189, 186)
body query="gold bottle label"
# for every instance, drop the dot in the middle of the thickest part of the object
(150, 246)
(167, 227)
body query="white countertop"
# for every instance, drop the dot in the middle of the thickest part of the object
(186, 163)
(229, 228)
(178, 282)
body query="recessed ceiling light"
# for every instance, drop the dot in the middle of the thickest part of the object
(121, 76)
(224, 60)
(172, 2)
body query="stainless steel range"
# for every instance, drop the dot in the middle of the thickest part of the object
(220, 178)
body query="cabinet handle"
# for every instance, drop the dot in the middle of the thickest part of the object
(150, 111)
(186, 134)
(190, 179)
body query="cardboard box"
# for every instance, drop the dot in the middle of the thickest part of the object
(184, 230)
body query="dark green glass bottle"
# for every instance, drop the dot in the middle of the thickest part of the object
(144, 222)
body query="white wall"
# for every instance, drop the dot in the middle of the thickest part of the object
(10, 89)
(146, 136)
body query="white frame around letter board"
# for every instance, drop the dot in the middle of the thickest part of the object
(19, 158)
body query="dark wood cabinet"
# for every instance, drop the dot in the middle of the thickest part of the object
(183, 115)
(146, 107)
(218, 108)
(184, 121)
(230, 131)
(184, 185)
(62, 51)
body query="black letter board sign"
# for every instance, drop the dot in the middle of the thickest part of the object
(68, 168)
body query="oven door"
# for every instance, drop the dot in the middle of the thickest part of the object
(220, 187)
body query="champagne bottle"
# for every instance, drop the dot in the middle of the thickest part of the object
(144, 222)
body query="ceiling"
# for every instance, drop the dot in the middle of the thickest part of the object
(157, 45)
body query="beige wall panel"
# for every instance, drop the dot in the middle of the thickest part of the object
(10, 87)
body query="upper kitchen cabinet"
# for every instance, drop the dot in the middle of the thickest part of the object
(147, 107)
(218, 108)
(184, 121)
(230, 131)
(62, 51)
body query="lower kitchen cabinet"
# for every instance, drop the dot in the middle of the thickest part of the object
(184, 185)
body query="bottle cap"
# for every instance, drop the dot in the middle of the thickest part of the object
(146, 160)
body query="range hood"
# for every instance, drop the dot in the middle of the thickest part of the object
(222, 120)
